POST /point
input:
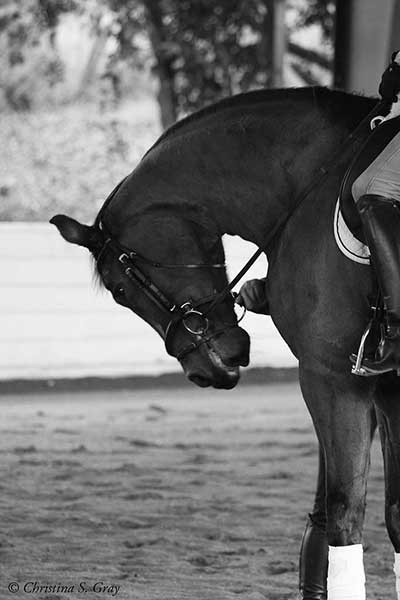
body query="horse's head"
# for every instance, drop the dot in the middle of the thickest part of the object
(168, 270)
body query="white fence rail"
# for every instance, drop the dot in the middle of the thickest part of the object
(54, 323)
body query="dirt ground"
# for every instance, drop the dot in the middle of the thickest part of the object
(169, 494)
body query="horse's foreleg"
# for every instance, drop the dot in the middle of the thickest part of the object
(388, 413)
(343, 420)
(314, 548)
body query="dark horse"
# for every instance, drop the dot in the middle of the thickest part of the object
(239, 167)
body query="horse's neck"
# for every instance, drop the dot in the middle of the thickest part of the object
(254, 197)
(245, 176)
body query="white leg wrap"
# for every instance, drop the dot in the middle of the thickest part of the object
(396, 570)
(346, 577)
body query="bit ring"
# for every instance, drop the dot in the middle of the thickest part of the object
(203, 327)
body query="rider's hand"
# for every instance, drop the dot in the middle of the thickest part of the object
(253, 296)
(390, 82)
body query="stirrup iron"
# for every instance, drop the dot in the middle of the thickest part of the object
(358, 368)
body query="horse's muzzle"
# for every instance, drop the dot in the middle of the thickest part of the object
(227, 381)
(219, 361)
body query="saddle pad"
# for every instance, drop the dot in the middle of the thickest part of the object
(346, 241)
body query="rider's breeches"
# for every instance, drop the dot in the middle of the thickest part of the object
(382, 177)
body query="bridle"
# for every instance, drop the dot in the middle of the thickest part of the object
(192, 314)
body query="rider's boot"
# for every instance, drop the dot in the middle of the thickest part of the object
(380, 218)
(313, 563)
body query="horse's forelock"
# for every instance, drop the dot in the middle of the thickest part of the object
(96, 277)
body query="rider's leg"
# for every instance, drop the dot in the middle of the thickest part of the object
(377, 194)
(381, 223)
(382, 176)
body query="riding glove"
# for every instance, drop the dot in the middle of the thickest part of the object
(253, 296)
(390, 82)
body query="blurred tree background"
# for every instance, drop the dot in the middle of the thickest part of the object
(86, 84)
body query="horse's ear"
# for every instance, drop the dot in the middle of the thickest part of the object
(76, 233)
